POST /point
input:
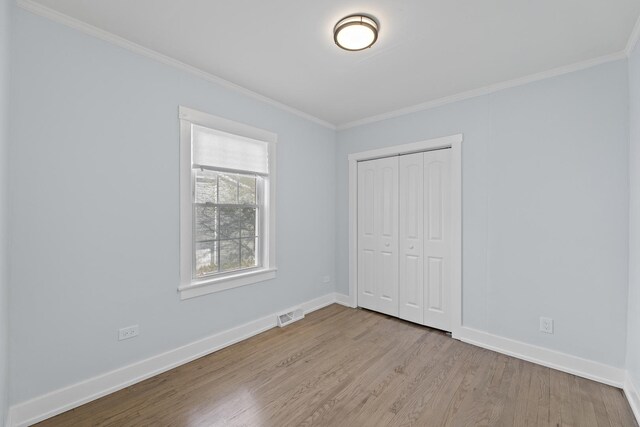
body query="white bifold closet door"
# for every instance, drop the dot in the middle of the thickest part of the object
(378, 235)
(404, 237)
(411, 247)
(437, 239)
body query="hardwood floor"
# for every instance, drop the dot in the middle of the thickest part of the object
(345, 367)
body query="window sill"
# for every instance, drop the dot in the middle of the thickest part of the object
(199, 288)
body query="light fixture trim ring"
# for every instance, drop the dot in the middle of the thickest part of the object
(363, 20)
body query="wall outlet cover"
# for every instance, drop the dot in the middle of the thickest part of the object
(128, 332)
(546, 325)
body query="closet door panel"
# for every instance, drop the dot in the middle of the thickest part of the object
(387, 209)
(378, 235)
(411, 269)
(436, 284)
(367, 241)
(437, 239)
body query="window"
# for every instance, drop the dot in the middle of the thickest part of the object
(227, 212)
(226, 218)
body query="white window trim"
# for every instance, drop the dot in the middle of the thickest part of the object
(190, 287)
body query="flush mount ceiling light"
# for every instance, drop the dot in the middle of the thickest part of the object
(355, 32)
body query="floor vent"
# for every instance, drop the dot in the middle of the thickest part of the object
(292, 316)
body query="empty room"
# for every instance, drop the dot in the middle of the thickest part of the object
(320, 213)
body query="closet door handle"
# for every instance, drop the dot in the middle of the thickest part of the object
(411, 247)
(387, 244)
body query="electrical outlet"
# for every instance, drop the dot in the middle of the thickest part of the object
(326, 279)
(128, 332)
(546, 325)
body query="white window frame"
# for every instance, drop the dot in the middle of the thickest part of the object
(189, 286)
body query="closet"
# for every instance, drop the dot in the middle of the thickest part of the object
(405, 237)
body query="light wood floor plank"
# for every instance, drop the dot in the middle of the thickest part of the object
(346, 367)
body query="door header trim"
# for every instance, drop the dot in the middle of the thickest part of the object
(413, 147)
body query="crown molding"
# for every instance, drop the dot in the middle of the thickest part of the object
(633, 38)
(61, 18)
(486, 90)
(46, 12)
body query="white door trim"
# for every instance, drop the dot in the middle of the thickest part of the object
(455, 143)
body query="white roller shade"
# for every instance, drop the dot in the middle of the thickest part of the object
(218, 149)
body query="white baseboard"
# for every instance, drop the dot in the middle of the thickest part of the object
(313, 305)
(64, 399)
(585, 368)
(633, 396)
(345, 300)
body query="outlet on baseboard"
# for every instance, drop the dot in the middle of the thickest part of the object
(546, 325)
(128, 332)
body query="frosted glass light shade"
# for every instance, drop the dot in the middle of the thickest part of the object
(223, 150)
(355, 32)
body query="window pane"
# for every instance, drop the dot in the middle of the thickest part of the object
(229, 255)
(206, 259)
(225, 236)
(206, 190)
(205, 223)
(237, 222)
(247, 191)
(248, 255)
(230, 219)
(247, 223)
(227, 188)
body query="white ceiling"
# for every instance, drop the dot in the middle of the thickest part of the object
(427, 49)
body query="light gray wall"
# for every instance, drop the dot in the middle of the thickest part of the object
(545, 207)
(633, 331)
(94, 208)
(5, 20)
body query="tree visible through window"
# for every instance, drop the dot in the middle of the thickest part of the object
(226, 214)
